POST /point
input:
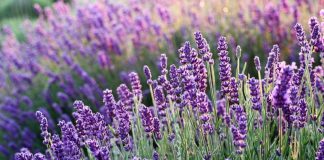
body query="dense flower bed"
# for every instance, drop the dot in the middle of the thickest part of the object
(75, 52)
(276, 116)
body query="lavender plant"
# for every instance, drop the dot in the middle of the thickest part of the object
(279, 116)
(72, 53)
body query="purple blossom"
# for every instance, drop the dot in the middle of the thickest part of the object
(280, 96)
(203, 47)
(257, 63)
(109, 105)
(234, 95)
(155, 156)
(221, 107)
(124, 126)
(98, 151)
(25, 154)
(125, 96)
(163, 64)
(161, 103)
(302, 113)
(201, 77)
(300, 35)
(255, 94)
(136, 85)
(89, 124)
(205, 117)
(156, 128)
(224, 66)
(147, 118)
(44, 126)
(148, 75)
(320, 151)
(238, 52)
(239, 130)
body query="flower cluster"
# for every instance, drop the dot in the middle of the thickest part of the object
(186, 115)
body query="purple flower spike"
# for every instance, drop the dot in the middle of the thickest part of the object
(161, 103)
(147, 118)
(136, 85)
(155, 156)
(257, 63)
(109, 105)
(302, 113)
(98, 151)
(163, 64)
(280, 96)
(234, 96)
(255, 94)
(320, 151)
(221, 107)
(238, 52)
(312, 23)
(156, 128)
(239, 130)
(148, 75)
(124, 125)
(24, 154)
(224, 66)
(300, 35)
(44, 125)
(316, 39)
(125, 96)
(203, 47)
(201, 77)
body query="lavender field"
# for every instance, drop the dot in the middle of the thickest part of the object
(162, 79)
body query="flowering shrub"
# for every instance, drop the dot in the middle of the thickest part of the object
(74, 52)
(279, 115)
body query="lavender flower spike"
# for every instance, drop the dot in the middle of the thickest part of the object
(224, 66)
(320, 151)
(257, 63)
(136, 85)
(109, 105)
(148, 75)
(255, 94)
(163, 64)
(44, 125)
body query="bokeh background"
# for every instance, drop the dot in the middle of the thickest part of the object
(55, 52)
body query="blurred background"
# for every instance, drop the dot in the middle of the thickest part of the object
(55, 52)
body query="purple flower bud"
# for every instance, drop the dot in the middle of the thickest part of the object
(320, 151)
(300, 35)
(312, 22)
(109, 105)
(224, 66)
(255, 94)
(156, 128)
(155, 155)
(148, 75)
(221, 106)
(163, 64)
(136, 85)
(147, 118)
(257, 63)
(44, 126)
(203, 47)
(125, 96)
(234, 96)
(242, 77)
(124, 126)
(238, 52)
(280, 96)
(161, 103)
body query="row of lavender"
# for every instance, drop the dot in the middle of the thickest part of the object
(279, 116)
(73, 53)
